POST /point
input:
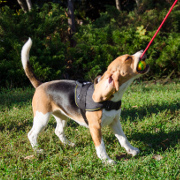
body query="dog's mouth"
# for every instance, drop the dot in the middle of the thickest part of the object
(110, 83)
(110, 80)
(110, 87)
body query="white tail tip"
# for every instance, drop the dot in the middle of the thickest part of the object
(25, 52)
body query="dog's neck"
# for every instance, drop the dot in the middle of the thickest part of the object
(118, 95)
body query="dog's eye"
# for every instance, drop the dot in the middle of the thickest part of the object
(128, 58)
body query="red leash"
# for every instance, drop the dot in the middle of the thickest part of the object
(159, 28)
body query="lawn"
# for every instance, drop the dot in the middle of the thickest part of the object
(150, 119)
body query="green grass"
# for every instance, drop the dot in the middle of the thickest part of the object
(150, 119)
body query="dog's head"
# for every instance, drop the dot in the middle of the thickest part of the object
(118, 72)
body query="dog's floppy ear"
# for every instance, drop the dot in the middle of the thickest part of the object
(100, 82)
(97, 79)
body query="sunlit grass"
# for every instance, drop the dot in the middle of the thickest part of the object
(150, 119)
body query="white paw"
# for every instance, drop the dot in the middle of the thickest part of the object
(71, 144)
(39, 151)
(67, 142)
(109, 162)
(133, 151)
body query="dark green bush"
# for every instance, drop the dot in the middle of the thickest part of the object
(116, 33)
(97, 43)
(47, 28)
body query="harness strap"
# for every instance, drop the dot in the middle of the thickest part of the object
(110, 105)
(82, 99)
(83, 113)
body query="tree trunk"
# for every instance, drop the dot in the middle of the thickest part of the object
(29, 4)
(71, 21)
(137, 3)
(26, 5)
(23, 5)
(118, 5)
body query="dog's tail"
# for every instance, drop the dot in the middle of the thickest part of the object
(25, 62)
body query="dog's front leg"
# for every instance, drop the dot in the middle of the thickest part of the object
(117, 129)
(94, 120)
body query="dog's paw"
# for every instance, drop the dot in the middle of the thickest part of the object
(71, 144)
(39, 151)
(109, 162)
(65, 141)
(133, 151)
(68, 143)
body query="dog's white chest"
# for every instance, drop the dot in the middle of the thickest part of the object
(108, 116)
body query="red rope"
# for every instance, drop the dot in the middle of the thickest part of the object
(159, 28)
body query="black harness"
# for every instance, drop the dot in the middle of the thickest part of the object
(83, 99)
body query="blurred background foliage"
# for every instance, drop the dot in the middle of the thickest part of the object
(103, 32)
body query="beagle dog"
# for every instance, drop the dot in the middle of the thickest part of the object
(57, 98)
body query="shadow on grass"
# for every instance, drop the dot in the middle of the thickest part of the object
(159, 141)
(12, 99)
(15, 126)
(153, 143)
(15, 97)
(140, 113)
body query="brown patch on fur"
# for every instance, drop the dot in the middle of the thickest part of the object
(94, 120)
(33, 79)
(41, 102)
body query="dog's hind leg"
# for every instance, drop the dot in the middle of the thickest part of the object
(60, 127)
(39, 123)
(117, 129)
